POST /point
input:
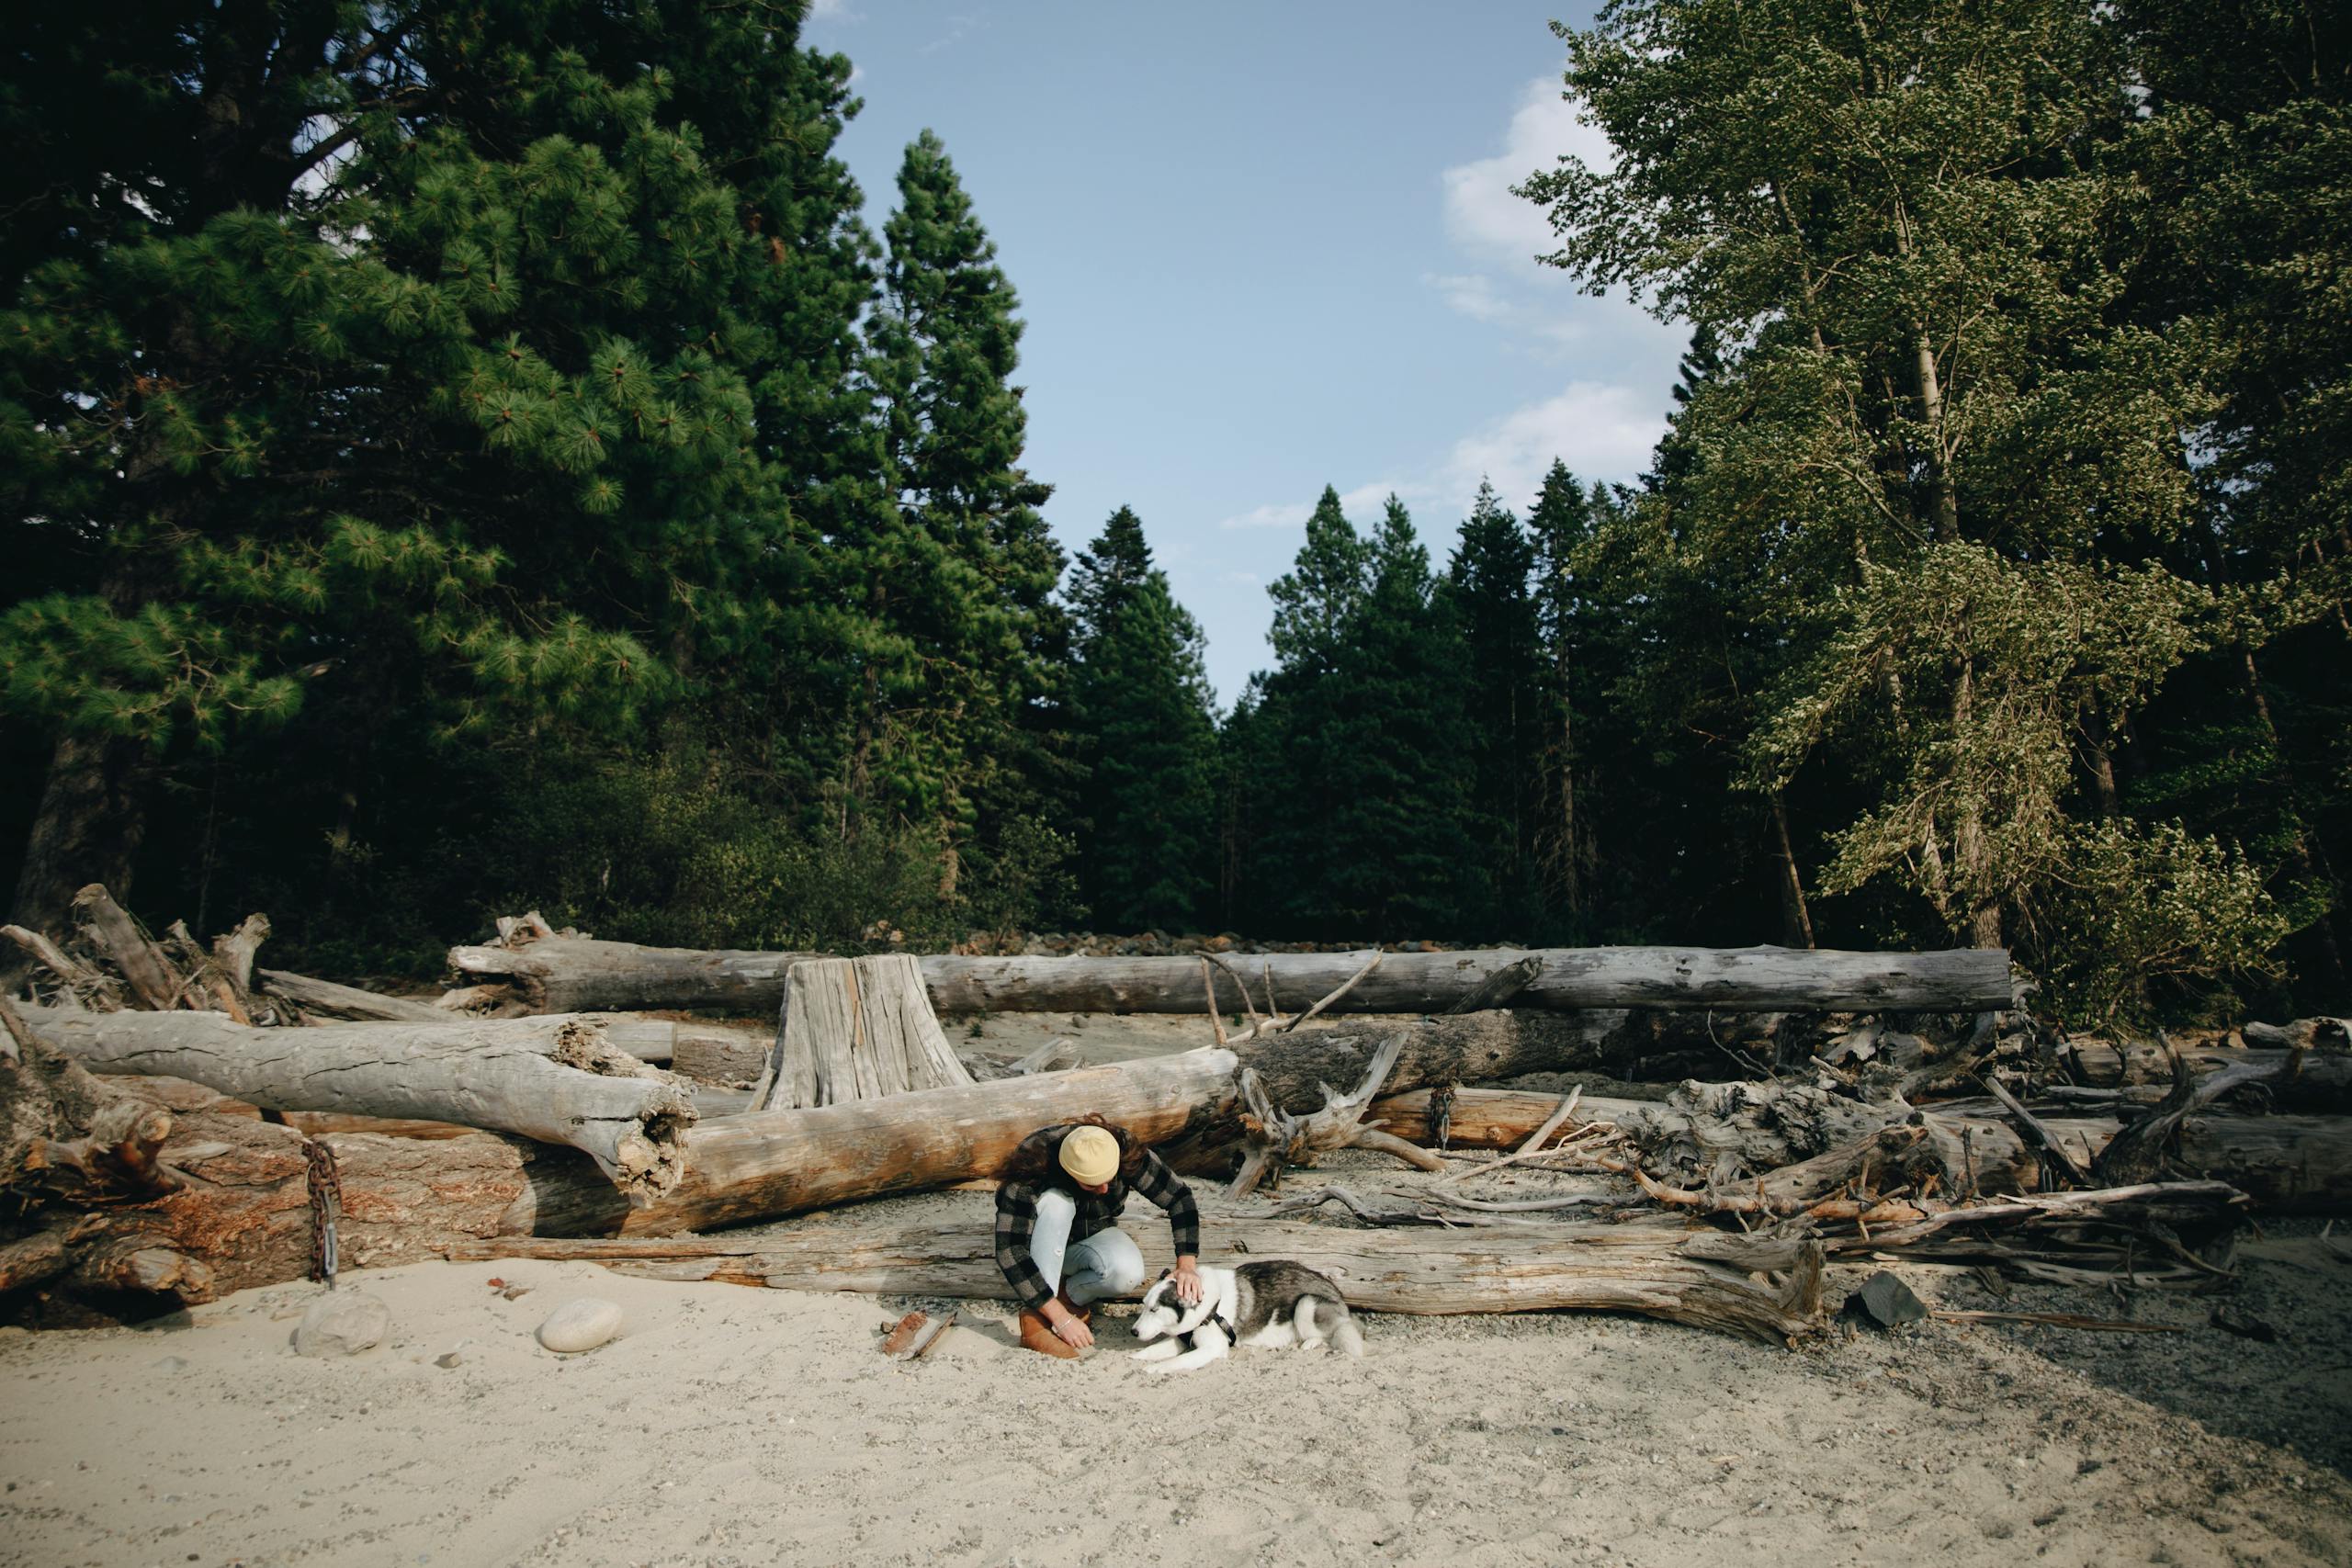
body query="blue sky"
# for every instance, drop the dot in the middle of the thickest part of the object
(1261, 248)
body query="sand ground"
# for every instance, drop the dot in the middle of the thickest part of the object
(734, 1425)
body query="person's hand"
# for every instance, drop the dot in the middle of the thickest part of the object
(1070, 1328)
(1187, 1282)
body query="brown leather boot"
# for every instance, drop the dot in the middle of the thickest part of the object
(1038, 1335)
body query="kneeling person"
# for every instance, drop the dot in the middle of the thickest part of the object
(1056, 1235)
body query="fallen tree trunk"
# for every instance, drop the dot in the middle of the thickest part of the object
(556, 1080)
(2321, 1082)
(113, 1203)
(2295, 1164)
(1702, 1279)
(546, 973)
(765, 1164)
(324, 998)
(561, 974)
(1464, 1048)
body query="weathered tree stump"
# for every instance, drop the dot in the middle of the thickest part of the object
(855, 1028)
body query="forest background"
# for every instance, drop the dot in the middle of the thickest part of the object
(450, 470)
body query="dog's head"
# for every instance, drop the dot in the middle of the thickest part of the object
(1159, 1313)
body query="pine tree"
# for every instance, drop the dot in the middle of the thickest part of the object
(1565, 845)
(1487, 591)
(1361, 789)
(424, 382)
(952, 562)
(1294, 770)
(1140, 714)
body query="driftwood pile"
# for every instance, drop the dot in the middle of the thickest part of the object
(1836, 1104)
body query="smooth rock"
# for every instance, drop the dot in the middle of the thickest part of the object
(342, 1322)
(581, 1325)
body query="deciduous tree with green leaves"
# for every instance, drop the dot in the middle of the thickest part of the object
(1911, 228)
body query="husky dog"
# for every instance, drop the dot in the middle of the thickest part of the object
(1273, 1304)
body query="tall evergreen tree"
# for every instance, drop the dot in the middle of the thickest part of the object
(1487, 590)
(953, 562)
(1921, 284)
(1564, 844)
(1140, 714)
(426, 378)
(1362, 787)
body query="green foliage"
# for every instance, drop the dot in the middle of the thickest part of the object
(2136, 922)
(1954, 492)
(1488, 593)
(1141, 715)
(480, 458)
(1357, 783)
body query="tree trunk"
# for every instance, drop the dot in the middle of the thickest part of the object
(2287, 1164)
(1796, 920)
(855, 1028)
(2321, 1083)
(578, 974)
(108, 1191)
(761, 1165)
(86, 829)
(1477, 1048)
(556, 1080)
(324, 998)
(1701, 1279)
(547, 973)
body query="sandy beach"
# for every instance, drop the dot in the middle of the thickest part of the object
(738, 1426)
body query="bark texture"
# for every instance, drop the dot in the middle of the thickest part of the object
(855, 1028)
(556, 1080)
(574, 974)
(1701, 1279)
(762, 1165)
(1726, 1134)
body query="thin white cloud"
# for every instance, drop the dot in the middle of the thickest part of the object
(1481, 213)
(1472, 294)
(1281, 516)
(1601, 431)
(830, 11)
(1362, 506)
(1534, 319)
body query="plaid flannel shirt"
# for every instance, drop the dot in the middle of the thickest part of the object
(1016, 1219)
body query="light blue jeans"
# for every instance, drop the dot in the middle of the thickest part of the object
(1107, 1263)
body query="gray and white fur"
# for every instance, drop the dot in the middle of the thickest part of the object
(1275, 1306)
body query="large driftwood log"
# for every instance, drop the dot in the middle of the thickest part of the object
(559, 974)
(123, 1196)
(1702, 1279)
(2321, 1081)
(855, 1028)
(546, 972)
(1731, 1132)
(556, 1080)
(325, 999)
(762, 1165)
(1477, 1048)
(236, 1212)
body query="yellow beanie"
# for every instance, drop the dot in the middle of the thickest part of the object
(1090, 1154)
